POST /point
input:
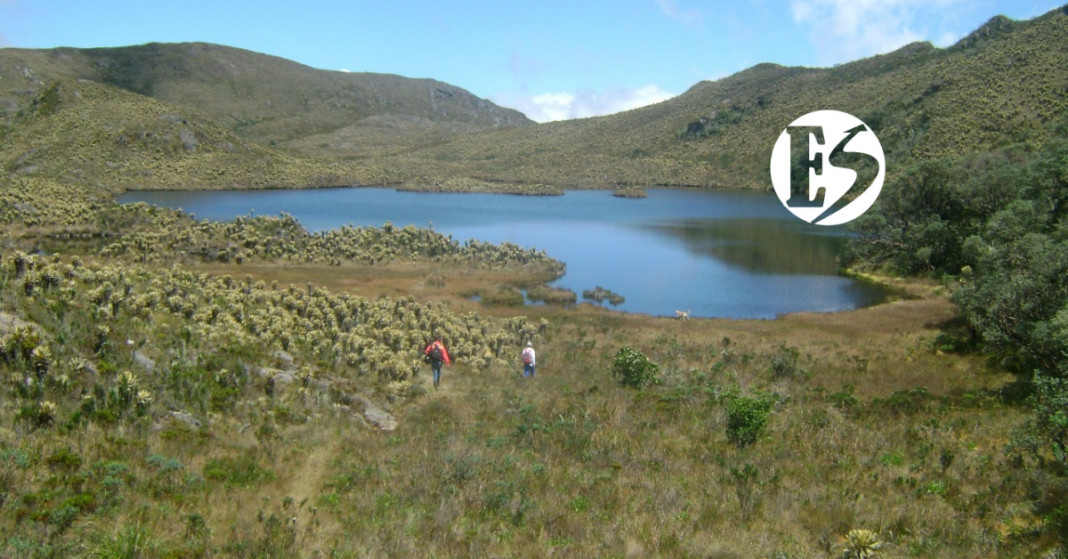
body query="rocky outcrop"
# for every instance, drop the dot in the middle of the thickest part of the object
(359, 406)
(9, 323)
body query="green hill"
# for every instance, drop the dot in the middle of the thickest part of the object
(104, 138)
(1003, 83)
(263, 98)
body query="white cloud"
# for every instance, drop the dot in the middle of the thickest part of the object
(844, 30)
(671, 9)
(547, 107)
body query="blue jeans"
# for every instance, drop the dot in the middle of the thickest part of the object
(436, 367)
(528, 369)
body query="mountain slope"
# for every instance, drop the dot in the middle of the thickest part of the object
(259, 97)
(105, 139)
(1003, 83)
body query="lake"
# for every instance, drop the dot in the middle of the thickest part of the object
(714, 253)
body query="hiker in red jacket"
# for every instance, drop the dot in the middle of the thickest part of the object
(437, 355)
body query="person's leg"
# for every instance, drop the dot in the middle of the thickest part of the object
(437, 375)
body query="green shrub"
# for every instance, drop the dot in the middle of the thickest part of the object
(503, 297)
(633, 369)
(552, 295)
(238, 472)
(64, 460)
(1045, 433)
(783, 363)
(600, 294)
(746, 418)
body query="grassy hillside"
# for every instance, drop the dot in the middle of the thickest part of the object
(105, 139)
(1002, 83)
(259, 97)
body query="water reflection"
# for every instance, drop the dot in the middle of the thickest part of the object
(762, 246)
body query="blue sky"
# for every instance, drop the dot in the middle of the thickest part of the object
(551, 59)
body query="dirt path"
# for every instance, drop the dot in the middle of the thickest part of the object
(305, 484)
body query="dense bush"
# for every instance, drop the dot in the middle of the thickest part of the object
(380, 337)
(160, 234)
(998, 223)
(633, 369)
(746, 418)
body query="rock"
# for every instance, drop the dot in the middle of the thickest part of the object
(284, 377)
(189, 139)
(700, 127)
(23, 207)
(280, 377)
(9, 323)
(90, 369)
(285, 359)
(346, 411)
(380, 419)
(8, 106)
(186, 418)
(144, 361)
(348, 402)
(375, 416)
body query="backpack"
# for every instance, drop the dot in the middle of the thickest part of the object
(436, 354)
(528, 357)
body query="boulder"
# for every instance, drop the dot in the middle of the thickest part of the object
(144, 361)
(189, 420)
(285, 359)
(380, 418)
(282, 378)
(189, 139)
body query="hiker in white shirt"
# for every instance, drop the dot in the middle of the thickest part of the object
(529, 360)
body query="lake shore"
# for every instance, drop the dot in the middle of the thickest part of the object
(734, 254)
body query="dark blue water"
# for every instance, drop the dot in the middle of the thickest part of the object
(715, 254)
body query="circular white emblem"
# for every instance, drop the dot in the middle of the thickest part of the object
(814, 165)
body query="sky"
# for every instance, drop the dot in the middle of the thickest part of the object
(550, 59)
